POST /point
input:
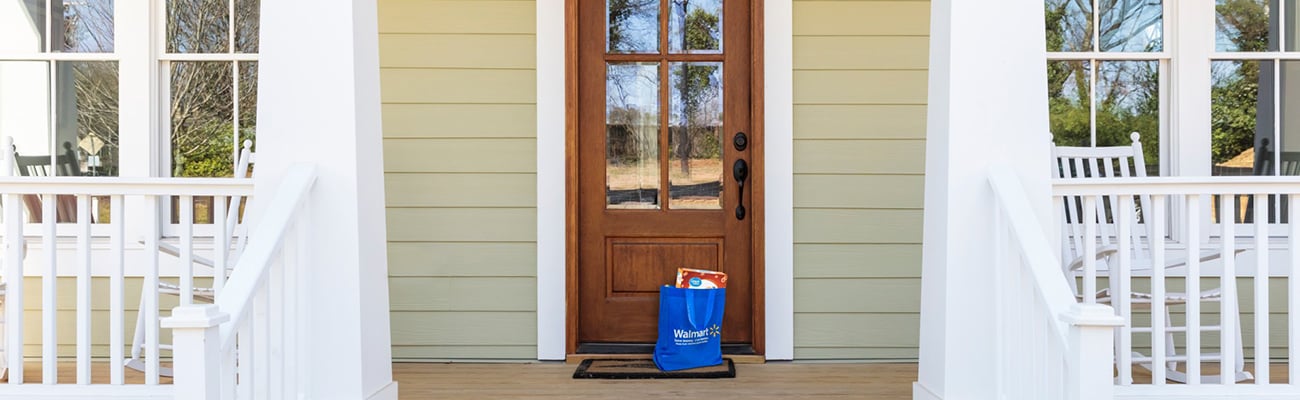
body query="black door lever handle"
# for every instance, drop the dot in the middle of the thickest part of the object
(740, 171)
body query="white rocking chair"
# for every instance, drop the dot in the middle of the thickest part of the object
(1127, 161)
(243, 164)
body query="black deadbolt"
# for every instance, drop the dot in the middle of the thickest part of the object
(740, 141)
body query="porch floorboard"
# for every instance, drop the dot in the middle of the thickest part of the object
(553, 380)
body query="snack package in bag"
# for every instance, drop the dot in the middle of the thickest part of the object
(690, 328)
(700, 279)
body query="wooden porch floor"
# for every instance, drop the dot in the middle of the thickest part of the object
(753, 381)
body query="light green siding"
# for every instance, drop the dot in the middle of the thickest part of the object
(460, 162)
(859, 159)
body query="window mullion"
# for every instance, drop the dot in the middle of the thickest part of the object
(1194, 25)
(1192, 49)
(137, 98)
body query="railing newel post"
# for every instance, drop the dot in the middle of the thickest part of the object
(196, 342)
(1090, 359)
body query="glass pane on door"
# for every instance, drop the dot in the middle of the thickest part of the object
(695, 135)
(632, 135)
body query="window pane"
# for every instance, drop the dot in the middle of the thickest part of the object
(632, 122)
(24, 26)
(633, 26)
(1068, 88)
(1286, 154)
(198, 26)
(1238, 117)
(1069, 25)
(247, 22)
(25, 105)
(202, 134)
(695, 136)
(695, 26)
(87, 27)
(91, 109)
(1128, 100)
(1132, 25)
(247, 102)
(1243, 25)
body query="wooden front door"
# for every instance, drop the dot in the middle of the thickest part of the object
(666, 161)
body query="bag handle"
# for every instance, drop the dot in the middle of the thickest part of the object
(690, 306)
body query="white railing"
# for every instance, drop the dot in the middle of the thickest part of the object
(248, 344)
(50, 249)
(1221, 252)
(1049, 346)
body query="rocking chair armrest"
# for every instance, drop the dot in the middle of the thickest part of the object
(1102, 253)
(175, 251)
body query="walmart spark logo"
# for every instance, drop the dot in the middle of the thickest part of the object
(715, 330)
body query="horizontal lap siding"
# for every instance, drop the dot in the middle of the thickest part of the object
(459, 110)
(859, 159)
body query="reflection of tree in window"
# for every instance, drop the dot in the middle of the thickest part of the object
(202, 106)
(698, 87)
(1234, 96)
(1127, 92)
(633, 25)
(88, 28)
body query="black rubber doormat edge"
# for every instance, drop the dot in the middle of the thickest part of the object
(644, 368)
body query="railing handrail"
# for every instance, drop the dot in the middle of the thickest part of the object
(1040, 260)
(264, 241)
(1176, 185)
(107, 186)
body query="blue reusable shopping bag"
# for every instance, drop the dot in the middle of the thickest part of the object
(690, 328)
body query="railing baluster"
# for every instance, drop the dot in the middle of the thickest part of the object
(244, 348)
(301, 276)
(1159, 315)
(1119, 287)
(149, 293)
(1002, 298)
(221, 244)
(261, 343)
(15, 246)
(275, 329)
(1293, 292)
(187, 250)
(1261, 289)
(83, 290)
(116, 289)
(49, 292)
(1228, 289)
(1089, 248)
(1193, 284)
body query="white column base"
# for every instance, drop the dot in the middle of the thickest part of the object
(920, 392)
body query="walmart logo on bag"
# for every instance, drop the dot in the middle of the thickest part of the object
(714, 330)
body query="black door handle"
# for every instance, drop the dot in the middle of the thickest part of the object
(740, 171)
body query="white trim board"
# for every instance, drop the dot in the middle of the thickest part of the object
(778, 133)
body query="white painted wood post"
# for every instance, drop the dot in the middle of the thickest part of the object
(196, 342)
(978, 105)
(319, 103)
(1089, 357)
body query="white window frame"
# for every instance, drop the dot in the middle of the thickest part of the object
(139, 29)
(162, 62)
(51, 58)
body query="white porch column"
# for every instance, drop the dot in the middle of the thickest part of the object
(987, 103)
(319, 103)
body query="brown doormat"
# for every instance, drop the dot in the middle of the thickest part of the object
(645, 369)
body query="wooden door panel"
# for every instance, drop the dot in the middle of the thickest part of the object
(640, 265)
